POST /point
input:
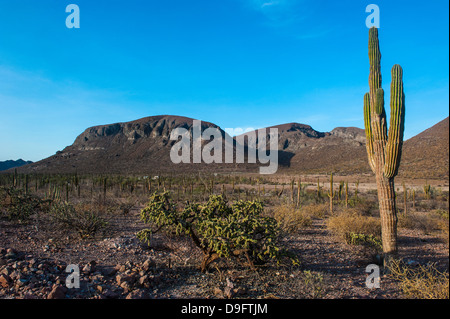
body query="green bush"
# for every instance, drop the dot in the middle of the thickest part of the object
(83, 219)
(17, 205)
(364, 240)
(218, 229)
(314, 284)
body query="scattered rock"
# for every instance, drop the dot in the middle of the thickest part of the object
(90, 267)
(108, 271)
(138, 294)
(10, 254)
(148, 264)
(228, 292)
(125, 281)
(239, 291)
(120, 268)
(218, 292)
(110, 294)
(5, 281)
(58, 292)
(143, 281)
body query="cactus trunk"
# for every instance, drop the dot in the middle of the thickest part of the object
(331, 194)
(388, 215)
(384, 148)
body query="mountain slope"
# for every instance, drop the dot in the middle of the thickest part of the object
(305, 150)
(141, 146)
(426, 155)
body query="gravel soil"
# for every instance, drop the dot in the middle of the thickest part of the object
(34, 257)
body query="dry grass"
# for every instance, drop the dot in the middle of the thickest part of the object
(316, 210)
(425, 222)
(84, 218)
(422, 282)
(349, 222)
(290, 218)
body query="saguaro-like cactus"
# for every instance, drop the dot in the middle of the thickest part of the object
(384, 147)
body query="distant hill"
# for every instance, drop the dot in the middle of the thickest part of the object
(305, 150)
(137, 147)
(426, 155)
(12, 164)
(143, 147)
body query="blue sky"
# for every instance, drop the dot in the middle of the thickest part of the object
(236, 63)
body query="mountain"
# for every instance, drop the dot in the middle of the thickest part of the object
(426, 155)
(12, 164)
(136, 147)
(305, 150)
(143, 147)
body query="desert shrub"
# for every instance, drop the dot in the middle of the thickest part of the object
(442, 223)
(291, 219)
(18, 206)
(126, 206)
(81, 218)
(425, 223)
(422, 282)
(428, 204)
(218, 229)
(442, 213)
(365, 206)
(314, 284)
(316, 210)
(364, 240)
(362, 205)
(355, 228)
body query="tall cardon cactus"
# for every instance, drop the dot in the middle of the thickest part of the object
(384, 147)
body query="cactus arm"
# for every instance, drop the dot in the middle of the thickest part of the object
(396, 127)
(377, 115)
(368, 130)
(375, 65)
(379, 102)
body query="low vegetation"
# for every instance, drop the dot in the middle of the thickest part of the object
(355, 228)
(421, 282)
(82, 218)
(18, 205)
(291, 219)
(258, 227)
(220, 230)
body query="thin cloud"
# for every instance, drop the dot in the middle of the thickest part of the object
(290, 17)
(268, 4)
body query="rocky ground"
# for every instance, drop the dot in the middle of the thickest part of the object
(34, 258)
